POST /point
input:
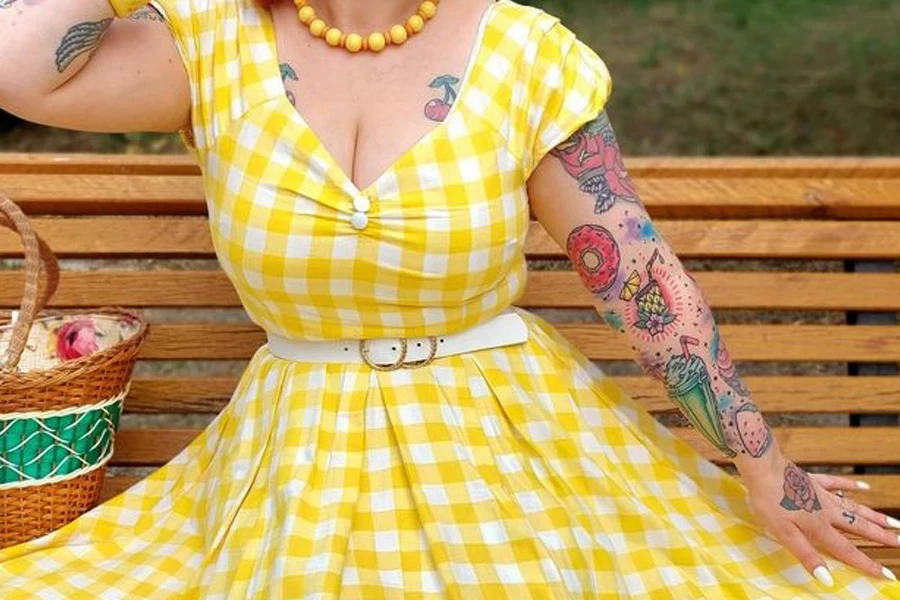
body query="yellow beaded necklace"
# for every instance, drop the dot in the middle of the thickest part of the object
(376, 42)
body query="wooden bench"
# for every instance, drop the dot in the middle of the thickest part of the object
(843, 211)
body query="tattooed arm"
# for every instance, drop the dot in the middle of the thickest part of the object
(583, 196)
(642, 291)
(73, 64)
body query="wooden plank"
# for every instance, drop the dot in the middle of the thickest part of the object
(675, 167)
(842, 343)
(179, 395)
(809, 445)
(780, 166)
(546, 289)
(737, 290)
(119, 236)
(44, 163)
(158, 288)
(884, 495)
(792, 394)
(93, 194)
(832, 395)
(665, 198)
(189, 236)
(706, 198)
(761, 239)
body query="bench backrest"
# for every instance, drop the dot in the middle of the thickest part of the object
(139, 213)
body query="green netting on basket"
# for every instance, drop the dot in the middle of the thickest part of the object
(46, 446)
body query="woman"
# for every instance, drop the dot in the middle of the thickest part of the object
(404, 432)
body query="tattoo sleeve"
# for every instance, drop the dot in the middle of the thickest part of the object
(80, 39)
(645, 295)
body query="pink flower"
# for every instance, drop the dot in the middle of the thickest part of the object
(76, 339)
(656, 324)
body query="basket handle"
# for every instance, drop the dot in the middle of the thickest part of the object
(33, 300)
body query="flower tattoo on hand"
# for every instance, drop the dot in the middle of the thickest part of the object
(799, 493)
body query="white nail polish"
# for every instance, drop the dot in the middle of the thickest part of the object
(888, 573)
(863, 485)
(892, 522)
(824, 575)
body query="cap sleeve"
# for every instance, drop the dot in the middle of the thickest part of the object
(186, 21)
(567, 86)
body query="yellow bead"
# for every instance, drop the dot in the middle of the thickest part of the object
(428, 9)
(300, 3)
(317, 27)
(377, 42)
(307, 15)
(416, 23)
(354, 42)
(333, 36)
(398, 34)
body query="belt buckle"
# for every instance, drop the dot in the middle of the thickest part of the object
(364, 352)
(401, 360)
(422, 363)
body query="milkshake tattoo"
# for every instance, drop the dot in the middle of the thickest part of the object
(592, 157)
(690, 387)
(80, 38)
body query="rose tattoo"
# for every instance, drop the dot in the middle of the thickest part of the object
(798, 490)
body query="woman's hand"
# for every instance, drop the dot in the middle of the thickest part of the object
(806, 512)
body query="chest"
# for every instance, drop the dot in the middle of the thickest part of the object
(367, 110)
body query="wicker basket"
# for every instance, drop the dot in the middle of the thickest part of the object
(63, 380)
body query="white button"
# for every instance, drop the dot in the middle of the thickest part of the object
(359, 220)
(362, 204)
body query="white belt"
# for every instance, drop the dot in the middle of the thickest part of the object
(390, 354)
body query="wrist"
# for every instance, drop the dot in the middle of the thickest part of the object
(750, 466)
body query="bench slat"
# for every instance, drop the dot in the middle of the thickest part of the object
(820, 167)
(546, 289)
(92, 194)
(189, 236)
(208, 395)
(842, 343)
(665, 197)
(809, 445)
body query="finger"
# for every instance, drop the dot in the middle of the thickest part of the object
(794, 540)
(850, 521)
(869, 514)
(839, 546)
(836, 482)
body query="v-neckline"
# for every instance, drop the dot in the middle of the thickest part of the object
(272, 65)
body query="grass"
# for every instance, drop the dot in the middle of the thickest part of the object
(704, 77)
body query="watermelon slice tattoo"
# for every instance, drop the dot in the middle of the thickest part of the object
(752, 430)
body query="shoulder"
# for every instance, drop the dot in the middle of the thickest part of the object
(557, 82)
(537, 33)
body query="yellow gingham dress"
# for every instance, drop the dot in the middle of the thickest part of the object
(518, 472)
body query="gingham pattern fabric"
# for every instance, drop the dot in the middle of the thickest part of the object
(518, 472)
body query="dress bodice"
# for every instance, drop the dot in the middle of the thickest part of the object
(437, 242)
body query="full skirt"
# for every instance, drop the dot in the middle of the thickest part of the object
(518, 472)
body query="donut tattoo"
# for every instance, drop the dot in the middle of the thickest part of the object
(595, 255)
